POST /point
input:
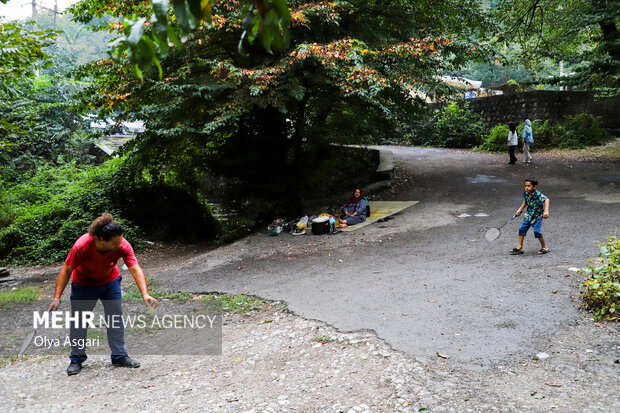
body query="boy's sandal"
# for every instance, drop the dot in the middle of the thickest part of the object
(516, 251)
(543, 251)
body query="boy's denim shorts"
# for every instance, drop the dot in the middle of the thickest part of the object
(536, 225)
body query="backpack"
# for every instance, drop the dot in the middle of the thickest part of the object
(367, 207)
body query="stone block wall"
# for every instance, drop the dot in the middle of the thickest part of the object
(544, 104)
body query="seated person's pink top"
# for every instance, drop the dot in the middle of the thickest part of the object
(92, 268)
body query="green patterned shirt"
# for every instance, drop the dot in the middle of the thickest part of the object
(535, 205)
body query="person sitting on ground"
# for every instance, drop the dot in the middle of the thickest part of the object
(354, 210)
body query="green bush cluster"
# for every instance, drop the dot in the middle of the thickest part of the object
(573, 132)
(38, 125)
(602, 285)
(497, 139)
(42, 217)
(451, 127)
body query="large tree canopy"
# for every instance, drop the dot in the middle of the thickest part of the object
(346, 75)
(581, 33)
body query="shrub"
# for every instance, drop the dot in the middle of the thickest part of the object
(455, 127)
(496, 140)
(44, 215)
(573, 132)
(602, 285)
(53, 209)
(586, 130)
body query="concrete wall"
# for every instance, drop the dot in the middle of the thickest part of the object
(543, 104)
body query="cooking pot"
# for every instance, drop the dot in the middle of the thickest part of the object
(320, 225)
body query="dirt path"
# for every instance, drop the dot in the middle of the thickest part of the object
(421, 284)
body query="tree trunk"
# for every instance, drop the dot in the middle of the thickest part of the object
(300, 131)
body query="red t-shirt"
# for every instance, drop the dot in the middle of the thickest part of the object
(92, 268)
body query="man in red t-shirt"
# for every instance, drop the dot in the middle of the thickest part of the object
(91, 264)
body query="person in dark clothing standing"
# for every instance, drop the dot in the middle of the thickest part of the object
(513, 140)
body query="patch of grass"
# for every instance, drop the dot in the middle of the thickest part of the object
(240, 303)
(27, 293)
(7, 360)
(132, 293)
(610, 151)
(323, 339)
(232, 303)
(602, 284)
(96, 334)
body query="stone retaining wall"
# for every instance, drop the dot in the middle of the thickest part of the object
(544, 104)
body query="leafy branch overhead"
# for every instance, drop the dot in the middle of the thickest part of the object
(172, 22)
(20, 49)
(582, 33)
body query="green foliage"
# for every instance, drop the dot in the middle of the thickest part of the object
(323, 339)
(602, 284)
(132, 293)
(454, 126)
(48, 213)
(582, 33)
(583, 130)
(573, 132)
(496, 73)
(38, 124)
(496, 140)
(20, 50)
(43, 216)
(171, 23)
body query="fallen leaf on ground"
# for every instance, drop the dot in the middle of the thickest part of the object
(443, 356)
(600, 325)
(553, 384)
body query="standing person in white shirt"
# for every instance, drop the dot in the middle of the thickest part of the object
(513, 140)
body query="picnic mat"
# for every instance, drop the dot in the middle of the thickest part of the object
(381, 209)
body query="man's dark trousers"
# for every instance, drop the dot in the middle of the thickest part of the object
(84, 299)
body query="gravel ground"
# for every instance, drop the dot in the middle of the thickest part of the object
(275, 361)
